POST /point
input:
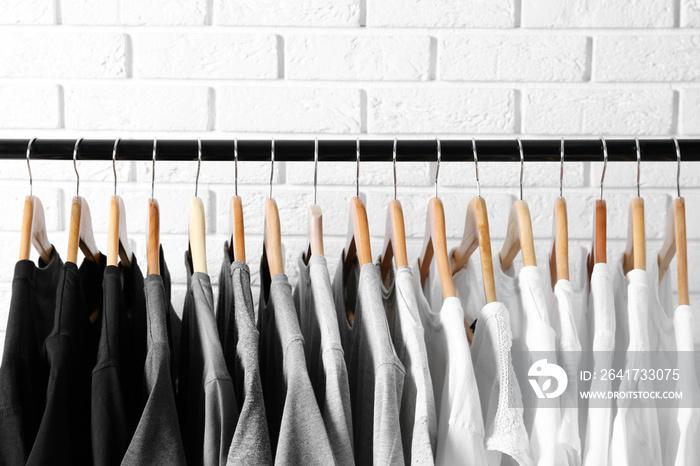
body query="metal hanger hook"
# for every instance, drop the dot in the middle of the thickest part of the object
(75, 166)
(114, 163)
(357, 176)
(678, 172)
(476, 167)
(199, 165)
(235, 167)
(29, 167)
(315, 167)
(639, 165)
(437, 167)
(153, 169)
(394, 162)
(522, 165)
(272, 164)
(561, 170)
(605, 165)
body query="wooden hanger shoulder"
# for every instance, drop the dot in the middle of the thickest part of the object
(315, 233)
(197, 239)
(394, 239)
(519, 236)
(559, 255)
(635, 251)
(80, 234)
(598, 252)
(237, 245)
(153, 247)
(675, 243)
(118, 239)
(357, 244)
(34, 230)
(272, 241)
(435, 245)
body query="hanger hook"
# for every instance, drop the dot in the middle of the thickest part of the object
(522, 165)
(235, 167)
(394, 162)
(29, 167)
(561, 170)
(476, 167)
(114, 163)
(357, 176)
(639, 164)
(272, 163)
(75, 166)
(199, 165)
(678, 172)
(605, 165)
(315, 167)
(153, 169)
(437, 167)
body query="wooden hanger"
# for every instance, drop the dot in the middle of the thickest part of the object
(237, 242)
(598, 252)
(635, 250)
(315, 216)
(357, 244)
(33, 222)
(197, 229)
(519, 236)
(394, 234)
(476, 234)
(559, 255)
(153, 246)
(117, 237)
(675, 240)
(80, 232)
(435, 242)
(272, 239)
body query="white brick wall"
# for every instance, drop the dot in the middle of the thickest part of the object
(382, 68)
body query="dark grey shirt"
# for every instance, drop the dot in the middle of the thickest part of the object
(240, 339)
(376, 374)
(157, 439)
(297, 432)
(324, 353)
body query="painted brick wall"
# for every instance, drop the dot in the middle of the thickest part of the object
(378, 68)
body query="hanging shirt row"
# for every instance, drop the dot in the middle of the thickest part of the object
(389, 361)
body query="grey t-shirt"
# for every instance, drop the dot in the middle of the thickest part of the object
(324, 353)
(297, 433)
(417, 415)
(240, 339)
(157, 438)
(206, 402)
(376, 374)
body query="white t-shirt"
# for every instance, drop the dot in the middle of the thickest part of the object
(499, 392)
(601, 327)
(688, 449)
(524, 296)
(460, 423)
(635, 439)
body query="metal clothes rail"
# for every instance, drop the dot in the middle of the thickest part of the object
(371, 150)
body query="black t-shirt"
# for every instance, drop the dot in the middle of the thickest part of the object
(117, 379)
(23, 378)
(64, 433)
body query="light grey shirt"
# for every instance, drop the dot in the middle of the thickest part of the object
(375, 372)
(297, 432)
(417, 416)
(324, 353)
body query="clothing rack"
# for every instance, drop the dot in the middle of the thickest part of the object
(371, 150)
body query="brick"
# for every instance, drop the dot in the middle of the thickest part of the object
(204, 55)
(513, 58)
(653, 175)
(371, 174)
(689, 111)
(498, 174)
(357, 57)
(211, 172)
(647, 58)
(596, 14)
(59, 54)
(27, 12)
(285, 109)
(690, 13)
(59, 170)
(134, 12)
(137, 107)
(441, 110)
(598, 111)
(30, 106)
(441, 13)
(313, 13)
(13, 206)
